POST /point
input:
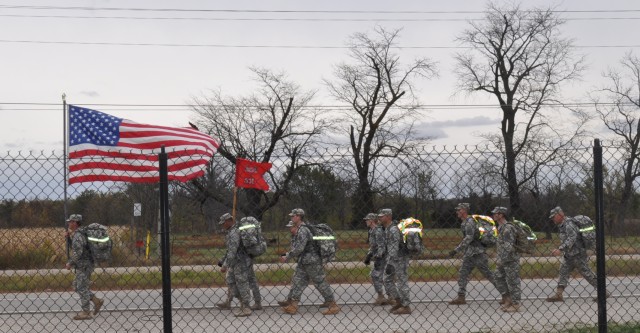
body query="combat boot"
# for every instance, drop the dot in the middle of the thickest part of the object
(397, 305)
(292, 308)
(608, 294)
(380, 300)
(325, 305)
(513, 307)
(506, 302)
(245, 311)
(390, 301)
(256, 306)
(557, 297)
(458, 300)
(97, 304)
(332, 309)
(403, 310)
(505, 297)
(285, 302)
(84, 315)
(225, 305)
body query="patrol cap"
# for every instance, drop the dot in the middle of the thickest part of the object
(501, 210)
(555, 211)
(371, 216)
(384, 211)
(224, 217)
(297, 211)
(75, 218)
(463, 205)
(290, 224)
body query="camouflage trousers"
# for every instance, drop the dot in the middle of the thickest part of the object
(479, 260)
(241, 280)
(580, 262)
(507, 278)
(315, 273)
(81, 285)
(396, 280)
(377, 275)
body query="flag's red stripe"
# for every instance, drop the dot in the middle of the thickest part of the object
(112, 166)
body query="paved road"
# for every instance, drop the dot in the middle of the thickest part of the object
(194, 311)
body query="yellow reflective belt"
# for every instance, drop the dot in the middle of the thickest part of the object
(588, 228)
(323, 238)
(248, 226)
(99, 240)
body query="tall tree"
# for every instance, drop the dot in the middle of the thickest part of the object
(520, 58)
(373, 84)
(275, 122)
(618, 106)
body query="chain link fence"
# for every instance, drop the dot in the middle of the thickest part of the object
(37, 295)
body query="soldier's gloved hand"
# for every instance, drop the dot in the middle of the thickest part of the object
(219, 263)
(388, 270)
(367, 261)
(452, 253)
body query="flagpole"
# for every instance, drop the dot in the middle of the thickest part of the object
(235, 199)
(64, 167)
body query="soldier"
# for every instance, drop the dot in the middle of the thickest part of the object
(238, 263)
(376, 252)
(80, 259)
(232, 290)
(475, 254)
(396, 269)
(310, 267)
(507, 276)
(574, 254)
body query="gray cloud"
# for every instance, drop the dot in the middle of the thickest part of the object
(90, 93)
(463, 122)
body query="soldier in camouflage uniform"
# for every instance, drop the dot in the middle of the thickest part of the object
(310, 267)
(396, 269)
(507, 274)
(238, 263)
(232, 290)
(377, 253)
(575, 255)
(80, 259)
(475, 254)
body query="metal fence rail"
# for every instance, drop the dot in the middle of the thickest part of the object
(36, 293)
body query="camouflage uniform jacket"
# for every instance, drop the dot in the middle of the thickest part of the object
(393, 239)
(506, 244)
(470, 243)
(376, 242)
(79, 255)
(570, 243)
(303, 247)
(235, 250)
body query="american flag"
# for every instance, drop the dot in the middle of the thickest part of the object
(107, 148)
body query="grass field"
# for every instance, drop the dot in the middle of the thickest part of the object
(45, 249)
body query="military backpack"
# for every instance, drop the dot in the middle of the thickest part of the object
(525, 237)
(325, 240)
(251, 236)
(586, 231)
(99, 243)
(487, 231)
(411, 242)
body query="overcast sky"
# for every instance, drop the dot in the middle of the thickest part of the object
(142, 53)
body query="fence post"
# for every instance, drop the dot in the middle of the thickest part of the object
(164, 223)
(600, 260)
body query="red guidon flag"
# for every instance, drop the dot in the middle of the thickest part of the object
(249, 174)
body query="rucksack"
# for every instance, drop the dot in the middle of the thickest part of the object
(487, 231)
(98, 241)
(525, 237)
(251, 236)
(325, 240)
(586, 230)
(411, 242)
